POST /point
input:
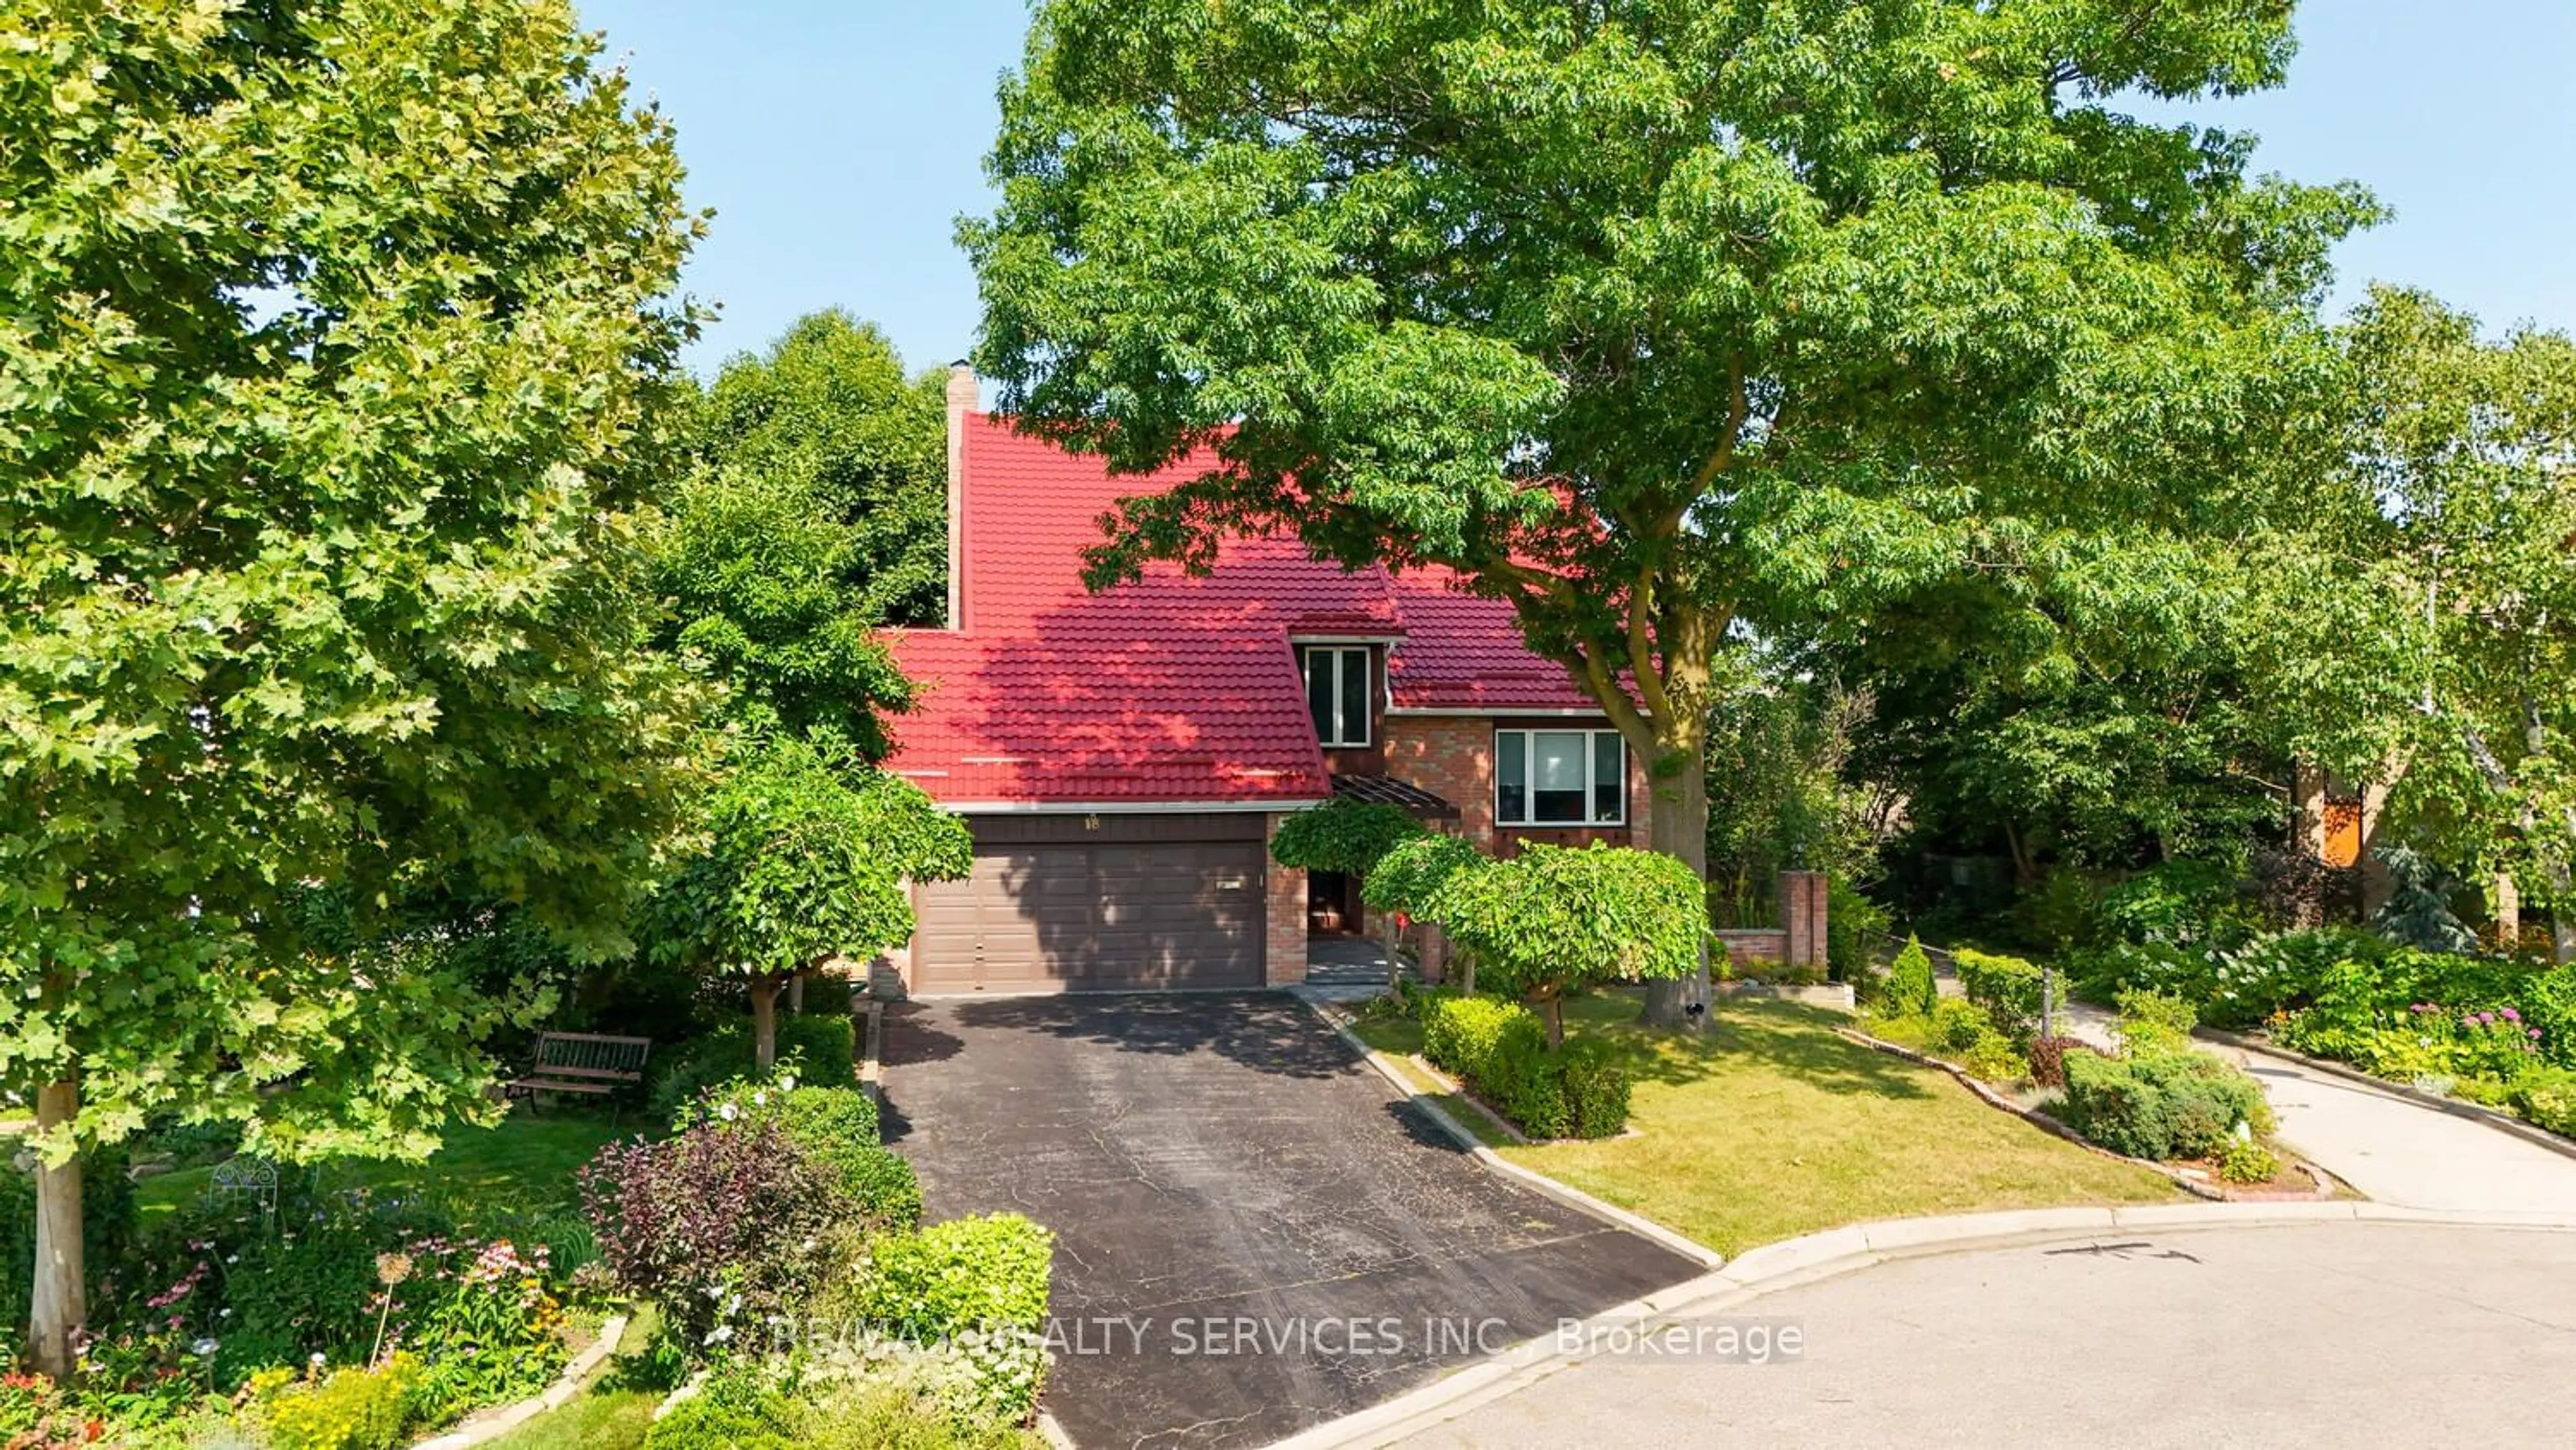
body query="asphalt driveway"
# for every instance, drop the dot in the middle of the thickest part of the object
(1254, 1234)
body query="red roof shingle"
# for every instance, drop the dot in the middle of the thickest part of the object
(1169, 689)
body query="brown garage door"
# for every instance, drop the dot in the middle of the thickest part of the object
(1096, 918)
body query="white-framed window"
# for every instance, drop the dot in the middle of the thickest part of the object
(1337, 693)
(1560, 778)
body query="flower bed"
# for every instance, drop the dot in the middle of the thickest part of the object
(316, 1320)
(2496, 1031)
(780, 1243)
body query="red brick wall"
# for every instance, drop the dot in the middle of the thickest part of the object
(1452, 756)
(1759, 944)
(1284, 955)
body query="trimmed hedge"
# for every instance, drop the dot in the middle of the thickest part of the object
(1500, 1049)
(965, 1273)
(2008, 988)
(821, 1044)
(1459, 1034)
(976, 1289)
(835, 1126)
(2161, 1105)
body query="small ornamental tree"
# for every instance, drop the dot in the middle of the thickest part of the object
(806, 859)
(1347, 837)
(1414, 877)
(1554, 918)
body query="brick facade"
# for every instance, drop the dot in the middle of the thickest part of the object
(1452, 756)
(1284, 954)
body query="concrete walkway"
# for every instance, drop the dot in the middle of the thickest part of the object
(2351, 1334)
(2393, 1150)
(2403, 1152)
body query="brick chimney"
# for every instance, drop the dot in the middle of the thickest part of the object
(962, 397)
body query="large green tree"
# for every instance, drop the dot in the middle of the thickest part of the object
(813, 511)
(326, 333)
(2084, 708)
(2425, 627)
(826, 413)
(1653, 317)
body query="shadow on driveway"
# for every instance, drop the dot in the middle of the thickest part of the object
(1253, 1234)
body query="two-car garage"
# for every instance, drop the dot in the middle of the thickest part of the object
(1100, 903)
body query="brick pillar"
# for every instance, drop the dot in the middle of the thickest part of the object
(1284, 955)
(1802, 917)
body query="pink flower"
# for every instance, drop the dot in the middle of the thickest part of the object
(2511, 1015)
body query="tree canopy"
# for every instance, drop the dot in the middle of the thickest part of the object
(2424, 619)
(1658, 319)
(826, 414)
(1342, 835)
(1550, 919)
(808, 856)
(327, 336)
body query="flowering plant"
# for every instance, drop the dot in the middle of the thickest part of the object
(726, 1227)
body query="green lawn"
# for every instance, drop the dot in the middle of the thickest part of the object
(601, 1418)
(524, 1167)
(1772, 1126)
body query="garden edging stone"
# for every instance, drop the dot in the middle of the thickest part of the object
(2501, 1122)
(492, 1424)
(2048, 1123)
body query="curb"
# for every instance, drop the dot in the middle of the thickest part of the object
(2511, 1126)
(2048, 1123)
(575, 1377)
(1540, 1183)
(1835, 1252)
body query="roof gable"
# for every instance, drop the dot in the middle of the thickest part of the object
(1169, 688)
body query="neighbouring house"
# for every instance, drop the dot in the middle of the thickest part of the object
(1123, 757)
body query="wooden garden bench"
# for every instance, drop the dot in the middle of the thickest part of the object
(584, 1062)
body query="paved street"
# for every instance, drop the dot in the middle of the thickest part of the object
(2344, 1335)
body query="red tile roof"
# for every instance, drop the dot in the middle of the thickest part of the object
(1170, 689)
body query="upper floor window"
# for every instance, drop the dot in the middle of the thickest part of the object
(1560, 778)
(1337, 693)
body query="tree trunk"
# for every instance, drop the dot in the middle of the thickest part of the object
(1677, 825)
(1465, 958)
(764, 1023)
(62, 1285)
(1552, 1007)
(2562, 912)
(1394, 962)
(796, 995)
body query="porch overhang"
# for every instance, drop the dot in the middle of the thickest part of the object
(1386, 790)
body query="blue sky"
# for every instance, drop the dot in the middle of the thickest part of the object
(837, 142)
